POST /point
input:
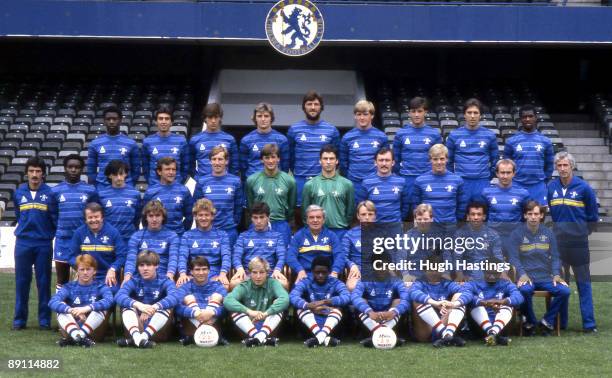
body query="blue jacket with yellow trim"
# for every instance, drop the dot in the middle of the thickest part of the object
(106, 246)
(575, 210)
(36, 217)
(304, 248)
(534, 254)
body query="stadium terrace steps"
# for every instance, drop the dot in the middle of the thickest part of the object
(591, 153)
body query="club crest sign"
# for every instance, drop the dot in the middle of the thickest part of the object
(294, 27)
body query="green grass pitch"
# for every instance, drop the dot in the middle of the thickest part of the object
(573, 354)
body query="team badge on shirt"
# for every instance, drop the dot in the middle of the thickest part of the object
(294, 28)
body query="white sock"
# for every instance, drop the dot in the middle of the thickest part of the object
(213, 306)
(431, 317)
(333, 318)
(391, 323)
(157, 322)
(93, 321)
(269, 325)
(308, 319)
(454, 318)
(503, 316)
(481, 316)
(68, 324)
(195, 322)
(244, 323)
(130, 322)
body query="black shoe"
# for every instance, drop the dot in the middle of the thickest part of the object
(44, 327)
(545, 330)
(591, 331)
(87, 342)
(122, 343)
(502, 340)
(528, 330)
(222, 341)
(367, 342)
(400, 342)
(18, 327)
(187, 340)
(251, 342)
(271, 341)
(312, 342)
(457, 341)
(442, 342)
(146, 344)
(333, 342)
(65, 341)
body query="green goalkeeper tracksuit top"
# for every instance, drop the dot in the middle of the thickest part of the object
(270, 298)
(336, 195)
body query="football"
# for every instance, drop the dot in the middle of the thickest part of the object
(206, 336)
(384, 338)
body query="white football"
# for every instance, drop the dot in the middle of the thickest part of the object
(384, 338)
(206, 336)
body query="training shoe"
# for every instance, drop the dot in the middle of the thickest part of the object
(271, 341)
(367, 342)
(44, 327)
(545, 329)
(503, 340)
(457, 341)
(442, 342)
(312, 342)
(146, 344)
(18, 327)
(591, 331)
(528, 330)
(122, 343)
(251, 342)
(187, 340)
(65, 341)
(332, 342)
(222, 341)
(400, 342)
(86, 342)
(491, 340)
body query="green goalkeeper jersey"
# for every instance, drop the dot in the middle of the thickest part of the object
(278, 192)
(270, 298)
(335, 194)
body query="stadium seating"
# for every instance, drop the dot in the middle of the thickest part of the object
(52, 120)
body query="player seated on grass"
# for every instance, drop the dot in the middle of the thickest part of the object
(146, 302)
(533, 252)
(318, 301)
(440, 303)
(380, 301)
(202, 300)
(257, 304)
(82, 306)
(493, 300)
(260, 240)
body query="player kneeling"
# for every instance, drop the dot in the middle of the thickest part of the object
(493, 302)
(82, 306)
(318, 301)
(146, 301)
(203, 300)
(380, 302)
(257, 304)
(430, 296)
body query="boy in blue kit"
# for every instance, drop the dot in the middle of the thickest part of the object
(311, 241)
(381, 300)
(253, 143)
(175, 197)
(533, 252)
(82, 306)
(121, 202)
(207, 241)
(473, 151)
(359, 146)
(103, 242)
(533, 154)
(200, 301)
(71, 196)
(225, 191)
(112, 146)
(201, 144)
(412, 143)
(260, 240)
(318, 301)
(36, 213)
(440, 303)
(164, 144)
(146, 301)
(493, 301)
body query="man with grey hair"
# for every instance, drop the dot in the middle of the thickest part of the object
(505, 201)
(311, 241)
(573, 207)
